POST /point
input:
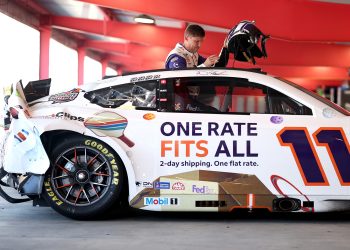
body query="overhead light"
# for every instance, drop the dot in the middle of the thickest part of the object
(144, 19)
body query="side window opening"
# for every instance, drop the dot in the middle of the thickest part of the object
(139, 94)
(229, 95)
(249, 98)
(282, 104)
(217, 95)
(200, 95)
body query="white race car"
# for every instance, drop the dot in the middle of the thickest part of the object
(206, 139)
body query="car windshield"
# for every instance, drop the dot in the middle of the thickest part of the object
(318, 97)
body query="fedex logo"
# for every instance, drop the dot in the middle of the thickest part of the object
(163, 201)
(202, 190)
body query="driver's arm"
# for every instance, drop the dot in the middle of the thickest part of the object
(176, 62)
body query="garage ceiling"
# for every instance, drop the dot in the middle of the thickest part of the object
(310, 40)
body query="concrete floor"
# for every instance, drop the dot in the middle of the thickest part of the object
(25, 227)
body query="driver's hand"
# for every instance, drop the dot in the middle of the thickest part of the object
(211, 60)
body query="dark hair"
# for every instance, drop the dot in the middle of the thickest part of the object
(194, 30)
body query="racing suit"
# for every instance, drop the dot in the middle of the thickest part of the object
(181, 58)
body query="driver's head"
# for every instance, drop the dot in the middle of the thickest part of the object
(194, 36)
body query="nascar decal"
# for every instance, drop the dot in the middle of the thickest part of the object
(109, 124)
(234, 140)
(64, 96)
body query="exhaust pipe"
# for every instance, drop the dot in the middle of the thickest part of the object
(286, 204)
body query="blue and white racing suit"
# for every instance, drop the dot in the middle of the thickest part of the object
(181, 58)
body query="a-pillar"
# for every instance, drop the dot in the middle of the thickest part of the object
(45, 35)
(104, 64)
(81, 58)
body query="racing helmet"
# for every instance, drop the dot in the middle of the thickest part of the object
(243, 42)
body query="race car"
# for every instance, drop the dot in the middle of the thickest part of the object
(202, 139)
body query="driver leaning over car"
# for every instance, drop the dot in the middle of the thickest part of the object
(186, 56)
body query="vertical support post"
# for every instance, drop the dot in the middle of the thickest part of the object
(45, 35)
(104, 64)
(81, 57)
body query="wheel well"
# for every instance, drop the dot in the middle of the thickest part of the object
(50, 138)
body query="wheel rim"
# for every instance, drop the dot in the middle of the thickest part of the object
(81, 176)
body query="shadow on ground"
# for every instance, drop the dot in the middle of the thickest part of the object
(238, 216)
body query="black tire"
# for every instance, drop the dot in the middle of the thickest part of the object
(85, 178)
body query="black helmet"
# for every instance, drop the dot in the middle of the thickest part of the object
(242, 42)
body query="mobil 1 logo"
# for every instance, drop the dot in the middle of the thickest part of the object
(160, 201)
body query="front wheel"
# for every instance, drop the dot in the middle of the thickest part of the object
(85, 178)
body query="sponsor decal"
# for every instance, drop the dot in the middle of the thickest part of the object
(109, 124)
(162, 185)
(276, 119)
(68, 116)
(178, 186)
(64, 96)
(202, 190)
(145, 184)
(149, 116)
(197, 147)
(161, 201)
(144, 78)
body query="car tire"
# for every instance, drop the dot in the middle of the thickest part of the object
(85, 178)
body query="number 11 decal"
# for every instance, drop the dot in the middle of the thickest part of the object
(305, 155)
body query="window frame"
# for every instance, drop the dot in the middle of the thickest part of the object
(104, 91)
(232, 82)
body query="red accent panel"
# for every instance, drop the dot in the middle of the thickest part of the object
(293, 20)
